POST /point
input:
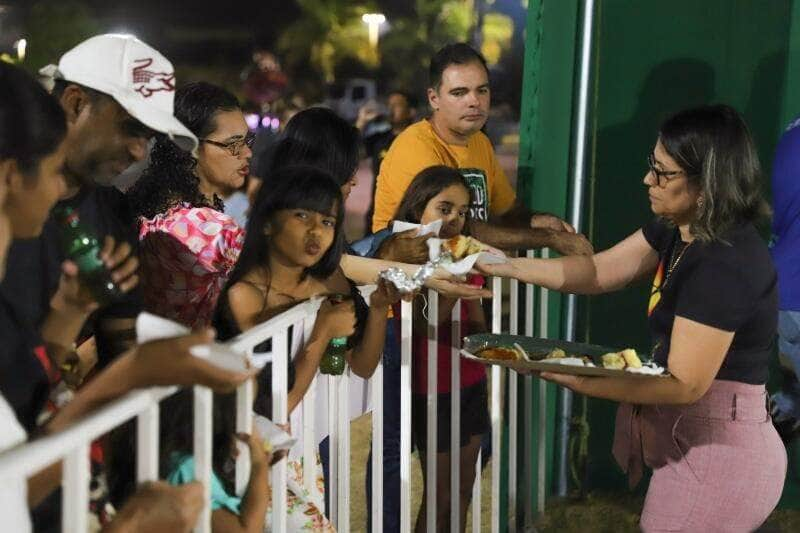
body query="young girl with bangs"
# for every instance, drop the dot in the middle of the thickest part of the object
(436, 193)
(292, 250)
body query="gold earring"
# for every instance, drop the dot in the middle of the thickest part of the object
(700, 203)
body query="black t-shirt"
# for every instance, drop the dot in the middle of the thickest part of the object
(24, 380)
(34, 265)
(730, 286)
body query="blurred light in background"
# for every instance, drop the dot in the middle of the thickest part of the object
(373, 21)
(20, 46)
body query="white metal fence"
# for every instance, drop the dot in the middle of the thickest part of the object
(336, 405)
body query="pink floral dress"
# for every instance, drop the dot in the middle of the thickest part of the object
(186, 255)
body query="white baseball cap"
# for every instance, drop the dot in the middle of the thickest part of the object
(136, 75)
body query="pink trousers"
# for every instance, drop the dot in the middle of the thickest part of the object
(718, 464)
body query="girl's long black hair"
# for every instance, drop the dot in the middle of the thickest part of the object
(170, 178)
(293, 187)
(32, 123)
(427, 184)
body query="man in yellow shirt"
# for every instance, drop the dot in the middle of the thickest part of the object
(460, 97)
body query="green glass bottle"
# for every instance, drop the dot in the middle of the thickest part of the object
(80, 246)
(333, 361)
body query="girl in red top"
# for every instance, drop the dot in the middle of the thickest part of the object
(440, 192)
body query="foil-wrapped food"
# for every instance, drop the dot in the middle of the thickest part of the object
(406, 284)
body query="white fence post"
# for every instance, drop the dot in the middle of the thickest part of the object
(75, 482)
(377, 448)
(244, 424)
(455, 420)
(147, 444)
(333, 450)
(513, 399)
(496, 411)
(309, 407)
(343, 457)
(433, 390)
(405, 416)
(203, 450)
(280, 414)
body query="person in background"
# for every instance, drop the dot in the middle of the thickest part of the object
(704, 429)
(459, 95)
(319, 137)
(401, 111)
(786, 255)
(188, 245)
(440, 193)
(267, 140)
(229, 513)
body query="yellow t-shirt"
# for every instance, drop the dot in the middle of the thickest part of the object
(418, 148)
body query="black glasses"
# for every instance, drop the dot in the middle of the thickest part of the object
(662, 176)
(234, 147)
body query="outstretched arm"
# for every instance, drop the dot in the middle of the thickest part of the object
(607, 271)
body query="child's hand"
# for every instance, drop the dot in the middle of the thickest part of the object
(405, 247)
(336, 319)
(258, 454)
(387, 294)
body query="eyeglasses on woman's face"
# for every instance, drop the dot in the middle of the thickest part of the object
(662, 176)
(235, 146)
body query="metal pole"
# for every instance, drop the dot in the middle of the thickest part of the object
(576, 219)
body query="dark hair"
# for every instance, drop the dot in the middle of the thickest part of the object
(169, 178)
(411, 100)
(294, 187)
(176, 440)
(425, 186)
(452, 54)
(712, 144)
(319, 137)
(32, 123)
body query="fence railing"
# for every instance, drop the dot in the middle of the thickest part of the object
(336, 400)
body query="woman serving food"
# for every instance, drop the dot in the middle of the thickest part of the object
(713, 317)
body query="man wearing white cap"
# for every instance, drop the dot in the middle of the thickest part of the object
(117, 92)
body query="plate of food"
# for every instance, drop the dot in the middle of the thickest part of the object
(459, 254)
(546, 355)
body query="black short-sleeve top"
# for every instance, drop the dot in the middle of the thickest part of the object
(729, 284)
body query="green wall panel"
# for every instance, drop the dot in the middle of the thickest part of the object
(650, 60)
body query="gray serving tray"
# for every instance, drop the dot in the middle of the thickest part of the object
(537, 349)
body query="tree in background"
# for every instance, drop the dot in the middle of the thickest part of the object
(407, 47)
(53, 27)
(327, 34)
(329, 42)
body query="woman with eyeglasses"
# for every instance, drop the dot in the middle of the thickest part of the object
(188, 244)
(718, 463)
